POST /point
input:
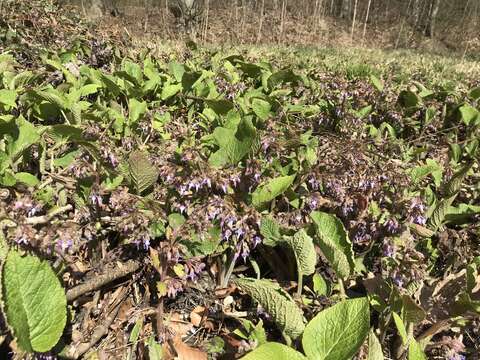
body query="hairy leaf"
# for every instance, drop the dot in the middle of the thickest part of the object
(304, 250)
(275, 351)
(374, 347)
(142, 173)
(337, 332)
(34, 302)
(270, 190)
(334, 243)
(277, 303)
(270, 231)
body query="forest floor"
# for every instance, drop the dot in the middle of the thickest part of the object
(164, 200)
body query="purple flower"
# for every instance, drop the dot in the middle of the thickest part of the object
(207, 182)
(227, 234)
(245, 253)
(419, 219)
(398, 280)
(182, 208)
(388, 250)
(235, 180)
(256, 240)
(239, 232)
(96, 199)
(392, 226)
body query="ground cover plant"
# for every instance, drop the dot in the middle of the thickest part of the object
(250, 203)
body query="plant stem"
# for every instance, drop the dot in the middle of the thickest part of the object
(229, 272)
(341, 286)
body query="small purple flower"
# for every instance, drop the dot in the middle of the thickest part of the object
(64, 244)
(245, 253)
(392, 226)
(239, 232)
(398, 280)
(183, 190)
(235, 180)
(227, 234)
(207, 182)
(419, 220)
(388, 250)
(182, 209)
(457, 357)
(224, 188)
(256, 240)
(257, 176)
(96, 199)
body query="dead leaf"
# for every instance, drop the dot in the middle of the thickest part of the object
(185, 352)
(179, 326)
(197, 315)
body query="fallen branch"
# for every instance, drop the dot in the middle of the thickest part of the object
(75, 352)
(98, 281)
(37, 220)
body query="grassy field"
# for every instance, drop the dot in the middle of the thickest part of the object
(163, 201)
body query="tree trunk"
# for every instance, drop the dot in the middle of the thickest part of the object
(366, 20)
(353, 19)
(432, 17)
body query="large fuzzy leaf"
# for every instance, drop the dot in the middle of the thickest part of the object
(270, 231)
(337, 332)
(275, 351)
(142, 173)
(271, 189)
(34, 302)
(26, 136)
(233, 144)
(304, 250)
(277, 303)
(334, 242)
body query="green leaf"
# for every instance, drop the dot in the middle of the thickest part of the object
(26, 178)
(320, 285)
(408, 99)
(170, 90)
(136, 330)
(337, 332)
(439, 213)
(221, 107)
(8, 97)
(468, 113)
(234, 145)
(142, 173)
(277, 303)
(155, 351)
(402, 331)
(270, 231)
(27, 136)
(275, 351)
(334, 243)
(177, 70)
(475, 93)
(415, 351)
(136, 110)
(270, 190)
(34, 302)
(282, 77)
(376, 82)
(374, 347)
(304, 250)
(176, 220)
(455, 183)
(261, 108)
